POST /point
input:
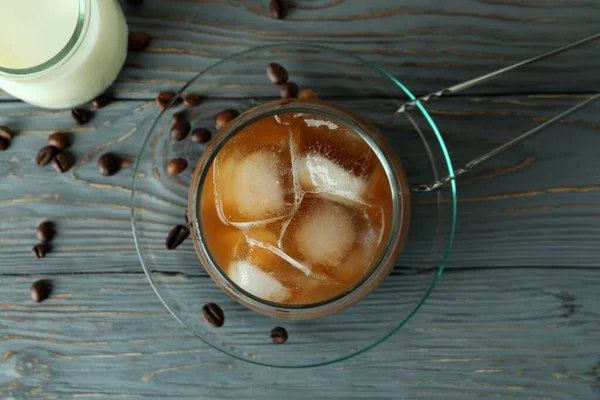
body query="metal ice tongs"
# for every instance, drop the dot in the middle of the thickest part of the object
(484, 78)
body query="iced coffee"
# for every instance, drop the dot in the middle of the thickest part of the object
(296, 208)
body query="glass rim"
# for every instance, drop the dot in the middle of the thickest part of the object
(68, 48)
(398, 202)
(448, 164)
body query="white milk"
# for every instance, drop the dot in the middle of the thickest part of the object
(33, 32)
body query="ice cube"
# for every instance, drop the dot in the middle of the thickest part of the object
(336, 142)
(255, 188)
(320, 174)
(336, 240)
(378, 186)
(258, 186)
(287, 118)
(257, 282)
(260, 248)
(326, 234)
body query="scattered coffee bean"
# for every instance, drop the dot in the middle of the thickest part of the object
(178, 116)
(109, 164)
(60, 163)
(40, 290)
(6, 133)
(176, 166)
(213, 314)
(39, 250)
(308, 94)
(164, 98)
(45, 232)
(81, 116)
(135, 2)
(101, 101)
(288, 90)
(277, 10)
(225, 117)
(277, 74)
(192, 100)
(200, 135)
(177, 235)
(59, 140)
(45, 155)
(180, 130)
(138, 41)
(279, 335)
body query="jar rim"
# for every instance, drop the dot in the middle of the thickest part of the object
(400, 206)
(62, 55)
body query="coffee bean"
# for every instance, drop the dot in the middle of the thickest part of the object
(288, 90)
(81, 116)
(178, 116)
(101, 101)
(277, 10)
(39, 250)
(164, 98)
(213, 314)
(138, 41)
(135, 2)
(200, 135)
(45, 232)
(109, 164)
(60, 163)
(225, 117)
(279, 335)
(308, 94)
(277, 74)
(176, 166)
(177, 235)
(192, 100)
(180, 130)
(59, 140)
(6, 133)
(40, 290)
(45, 155)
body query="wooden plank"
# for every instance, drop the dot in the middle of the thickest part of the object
(508, 333)
(535, 205)
(427, 45)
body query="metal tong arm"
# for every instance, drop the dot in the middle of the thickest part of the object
(484, 78)
(481, 159)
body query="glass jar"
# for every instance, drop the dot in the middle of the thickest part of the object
(399, 220)
(82, 68)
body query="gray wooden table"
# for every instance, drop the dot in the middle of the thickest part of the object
(516, 314)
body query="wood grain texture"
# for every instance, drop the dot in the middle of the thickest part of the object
(517, 333)
(482, 334)
(535, 205)
(426, 44)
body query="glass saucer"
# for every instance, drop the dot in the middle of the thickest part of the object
(159, 202)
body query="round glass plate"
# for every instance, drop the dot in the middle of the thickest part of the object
(159, 202)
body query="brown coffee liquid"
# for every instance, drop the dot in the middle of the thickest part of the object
(296, 208)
